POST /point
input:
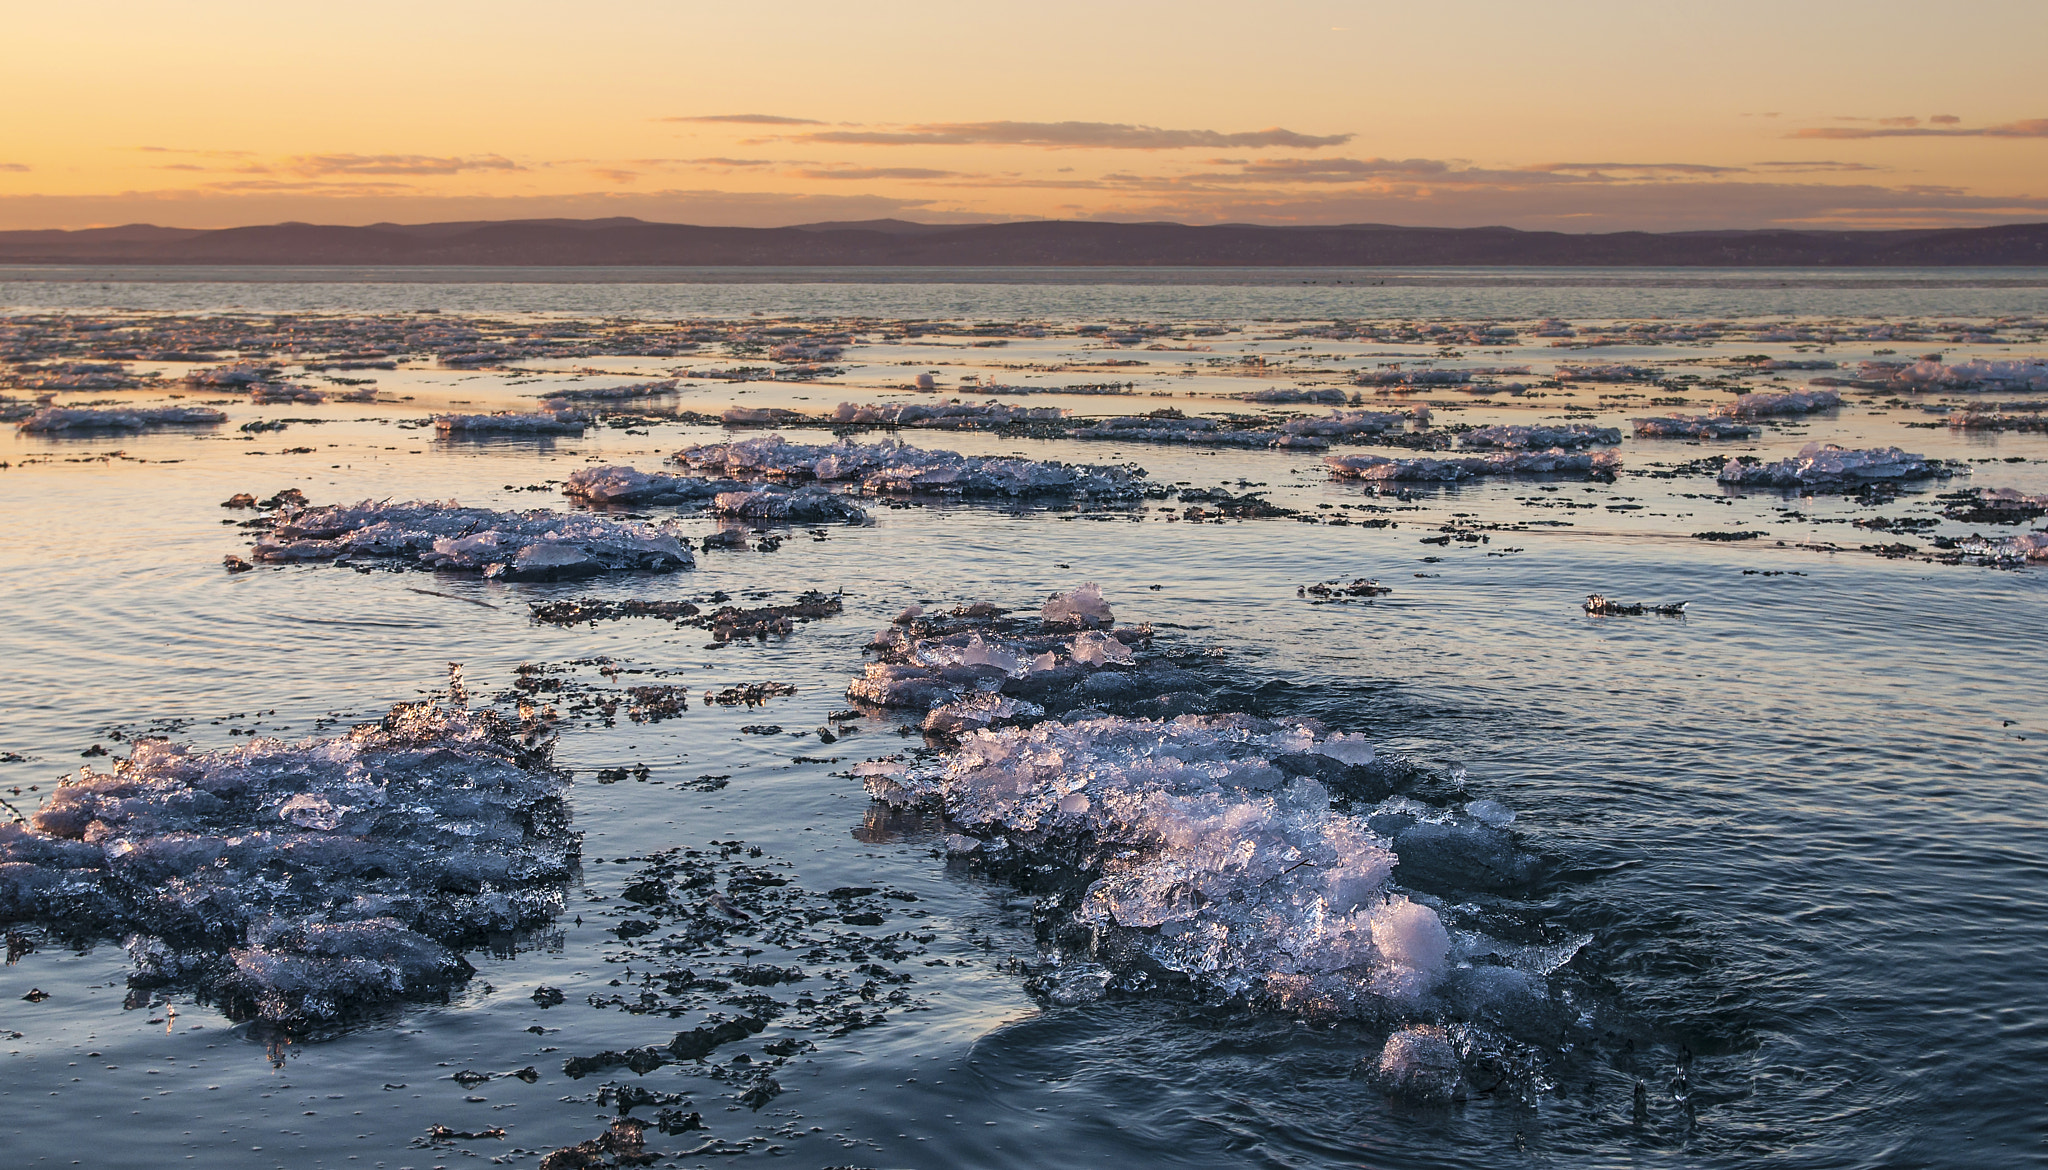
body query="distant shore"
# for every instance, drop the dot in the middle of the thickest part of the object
(1066, 245)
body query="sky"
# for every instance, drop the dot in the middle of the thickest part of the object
(1573, 116)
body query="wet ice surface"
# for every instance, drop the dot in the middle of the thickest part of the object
(1661, 855)
(517, 546)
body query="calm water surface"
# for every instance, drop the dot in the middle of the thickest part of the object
(1801, 828)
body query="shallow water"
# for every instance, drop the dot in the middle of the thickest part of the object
(1800, 828)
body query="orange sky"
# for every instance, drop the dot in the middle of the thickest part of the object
(1579, 116)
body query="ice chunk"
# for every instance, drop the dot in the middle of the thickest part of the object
(1829, 467)
(1082, 607)
(1692, 426)
(806, 504)
(1555, 461)
(892, 467)
(1421, 1064)
(613, 484)
(1767, 403)
(561, 422)
(1095, 648)
(1522, 438)
(266, 393)
(1346, 748)
(446, 535)
(1339, 423)
(295, 881)
(60, 419)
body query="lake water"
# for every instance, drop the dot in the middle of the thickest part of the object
(1794, 843)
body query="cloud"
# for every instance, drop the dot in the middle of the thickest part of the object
(615, 174)
(747, 119)
(397, 164)
(1814, 166)
(1635, 168)
(1945, 120)
(14, 168)
(1078, 135)
(2028, 128)
(877, 173)
(715, 162)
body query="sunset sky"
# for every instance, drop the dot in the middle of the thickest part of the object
(1579, 116)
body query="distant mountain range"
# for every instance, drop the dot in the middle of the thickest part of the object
(1046, 243)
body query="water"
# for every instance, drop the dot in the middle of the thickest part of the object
(1799, 829)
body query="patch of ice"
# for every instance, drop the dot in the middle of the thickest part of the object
(1449, 470)
(561, 422)
(613, 484)
(801, 505)
(295, 881)
(1767, 403)
(1523, 438)
(536, 545)
(1827, 466)
(60, 419)
(1692, 426)
(896, 468)
(1082, 608)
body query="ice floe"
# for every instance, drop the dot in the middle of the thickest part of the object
(617, 484)
(1767, 403)
(560, 422)
(1826, 466)
(1540, 437)
(807, 504)
(896, 468)
(61, 419)
(516, 546)
(1452, 469)
(296, 882)
(1692, 426)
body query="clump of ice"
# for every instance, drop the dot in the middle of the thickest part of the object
(536, 545)
(2011, 550)
(1450, 470)
(613, 484)
(59, 419)
(561, 422)
(1606, 373)
(1978, 374)
(1288, 394)
(1082, 608)
(922, 414)
(295, 881)
(1692, 426)
(267, 393)
(1339, 423)
(1827, 466)
(233, 377)
(1768, 403)
(1218, 864)
(1523, 438)
(805, 504)
(1095, 648)
(1421, 1064)
(893, 467)
(611, 393)
(1198, 431)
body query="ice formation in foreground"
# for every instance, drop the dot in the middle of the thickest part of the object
(60, 419)
(896, 468)
(295, 882)
(1826, 466)
(1555, 461)
(803, 505)
(516, 546)
(1200, 851)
